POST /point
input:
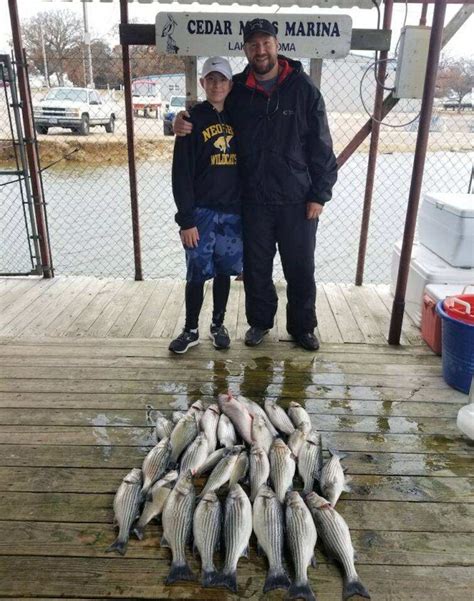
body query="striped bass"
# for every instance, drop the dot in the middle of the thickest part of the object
(155, 502)
(207, 523)
(278, 417)
(237, 531)
(155, 464)
(268, 527)
(301, 535)
(282, 468)
(196, 454)
(337, 542)
(226, 432)
(259, 469)
(177, 522)
(310, 460)
(333, 481)
(126, 508)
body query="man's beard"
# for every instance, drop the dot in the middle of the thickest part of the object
(263, 69)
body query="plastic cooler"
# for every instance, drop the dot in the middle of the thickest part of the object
(425, 268)
(430, 320)
(446, 227)
(458, 349)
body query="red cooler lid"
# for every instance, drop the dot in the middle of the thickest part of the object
(460, 307)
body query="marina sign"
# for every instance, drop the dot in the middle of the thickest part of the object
(212, 34)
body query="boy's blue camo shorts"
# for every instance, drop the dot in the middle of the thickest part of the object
(219, 251)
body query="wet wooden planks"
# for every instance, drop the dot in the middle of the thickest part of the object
(72, 423)
(93, 307)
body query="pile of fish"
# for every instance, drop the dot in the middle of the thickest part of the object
(242, 447)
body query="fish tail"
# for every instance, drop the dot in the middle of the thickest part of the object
(172, 465)
(227, 579)
(336, 453)
(180, 572)
(208, 577)
(354, 587)
(301, 591)
(276, 579)
(119, 545)
(138, 532)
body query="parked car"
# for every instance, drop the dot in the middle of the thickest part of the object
(455, 104)
(176, 104)
(77, 109)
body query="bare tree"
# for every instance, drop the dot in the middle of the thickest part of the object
(61, 33)
(455, 78)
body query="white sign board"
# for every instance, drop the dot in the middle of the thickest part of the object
(220, 34)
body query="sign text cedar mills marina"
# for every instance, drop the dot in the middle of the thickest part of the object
(198, 34)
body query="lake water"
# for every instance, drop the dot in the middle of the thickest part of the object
(90, 223)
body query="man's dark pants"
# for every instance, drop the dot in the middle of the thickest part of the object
(264, 228)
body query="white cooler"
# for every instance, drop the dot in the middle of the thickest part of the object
(446, 226)
(425, 268)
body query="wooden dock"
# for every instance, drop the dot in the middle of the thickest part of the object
(107, 308)
(76, 375)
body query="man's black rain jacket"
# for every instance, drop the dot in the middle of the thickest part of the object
(284, 145)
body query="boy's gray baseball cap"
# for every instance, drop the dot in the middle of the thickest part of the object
(219, 64)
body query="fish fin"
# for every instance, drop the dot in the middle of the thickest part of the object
(119, 545)
(313, 561)
(208, 578)
(347, 486)
(229, 580)
(144, 492)
(354, 587)
(138, 532)
(301, 591)
(336, 453)
(245, 552)
(275, 580)
(180, 572)
(164, 542)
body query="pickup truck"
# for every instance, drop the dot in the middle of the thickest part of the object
(77, 109)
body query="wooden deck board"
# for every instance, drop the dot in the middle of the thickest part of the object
(72, 423)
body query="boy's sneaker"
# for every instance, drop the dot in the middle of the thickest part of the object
(183, 342)
(220, 337)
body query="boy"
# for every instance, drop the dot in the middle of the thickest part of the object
(206, 192)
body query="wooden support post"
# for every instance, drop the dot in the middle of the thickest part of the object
(316, 71)
(190, 72)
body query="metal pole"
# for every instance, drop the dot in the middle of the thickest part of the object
(33, 163)
(424, 12)
(417, 174)
(45, 62)
(374, 144)
(127, 84)
(87, 42)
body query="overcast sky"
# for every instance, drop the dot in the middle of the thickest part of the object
(103, 16)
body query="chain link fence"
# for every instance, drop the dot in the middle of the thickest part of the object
(87, 191)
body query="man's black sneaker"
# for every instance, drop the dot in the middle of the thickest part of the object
(307, 341)
(183, 342)
(254, 336)
(220, 337)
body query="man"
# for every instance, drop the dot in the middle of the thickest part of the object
(288, 170)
